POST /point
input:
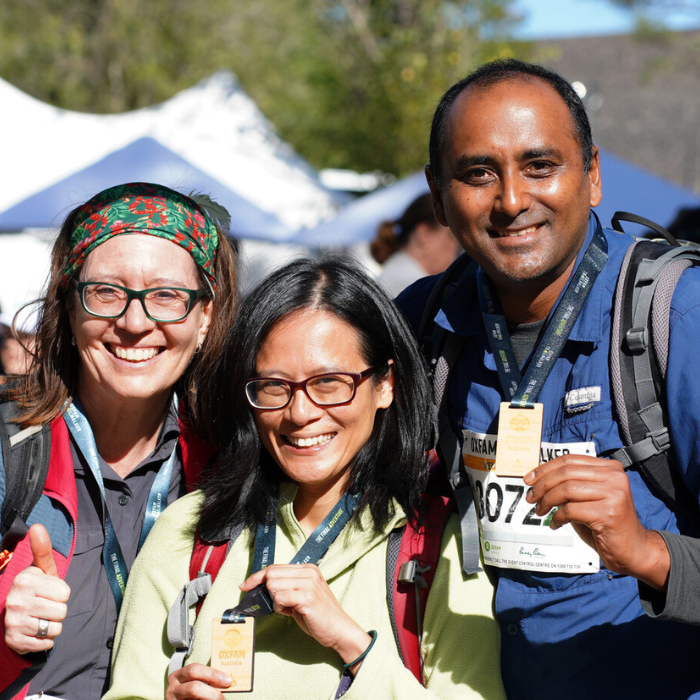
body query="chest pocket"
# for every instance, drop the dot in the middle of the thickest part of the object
(86, 576)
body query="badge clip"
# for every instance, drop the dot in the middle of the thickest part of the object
(256, 602)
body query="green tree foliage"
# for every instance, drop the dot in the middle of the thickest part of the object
(365, 75)
(108, 55)
(350, 83)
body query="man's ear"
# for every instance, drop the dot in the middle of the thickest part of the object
(594, 178)
(436, 193)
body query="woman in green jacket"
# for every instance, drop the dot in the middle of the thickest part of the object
(330, 422)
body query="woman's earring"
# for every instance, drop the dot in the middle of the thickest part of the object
(72, 342)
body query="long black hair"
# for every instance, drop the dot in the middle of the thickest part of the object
(391, 464)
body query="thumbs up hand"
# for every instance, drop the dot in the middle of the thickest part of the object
(36, 602)
(40, 543)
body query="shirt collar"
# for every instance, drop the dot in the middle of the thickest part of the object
(167, 437)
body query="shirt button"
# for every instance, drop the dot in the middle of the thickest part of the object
(512, 630)
(109, 643)
(123, 500)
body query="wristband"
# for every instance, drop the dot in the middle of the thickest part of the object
(371, 633)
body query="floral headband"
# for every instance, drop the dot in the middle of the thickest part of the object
(141, 207)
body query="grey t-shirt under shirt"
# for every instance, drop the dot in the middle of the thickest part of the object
(523, 337)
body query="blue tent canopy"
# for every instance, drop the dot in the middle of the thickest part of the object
(626, 187)
(144, 160)
(359, 220)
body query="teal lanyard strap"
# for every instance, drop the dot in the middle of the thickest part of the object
(524, 391)
(258, 602)
(115, 566)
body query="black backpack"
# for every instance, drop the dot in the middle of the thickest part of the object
(640, 320)
(25, 458)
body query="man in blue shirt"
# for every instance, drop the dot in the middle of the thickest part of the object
(514, 173)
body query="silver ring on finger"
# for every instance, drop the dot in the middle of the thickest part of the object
(43, 630)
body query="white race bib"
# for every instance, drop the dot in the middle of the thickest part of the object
(512, 536)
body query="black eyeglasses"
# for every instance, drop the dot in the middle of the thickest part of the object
(160, 304)
(329, 389)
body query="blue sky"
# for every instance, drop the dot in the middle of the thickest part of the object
(567, 18)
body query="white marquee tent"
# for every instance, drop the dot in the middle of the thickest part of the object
(213, 125)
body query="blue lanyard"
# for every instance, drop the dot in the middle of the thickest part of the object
(115, 566)
(524, 391)
(258, 602)
(318, 543)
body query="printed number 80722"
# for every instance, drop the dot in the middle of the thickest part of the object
(490, 504)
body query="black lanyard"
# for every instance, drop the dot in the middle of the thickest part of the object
(258, 601)
(524, 391)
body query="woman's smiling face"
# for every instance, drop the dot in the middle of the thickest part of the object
(313, 445)
(133, 357)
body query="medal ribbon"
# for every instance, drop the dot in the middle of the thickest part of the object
(115, 566)
(258, 601)
(524, 391)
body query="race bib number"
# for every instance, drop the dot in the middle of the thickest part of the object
(512, 535)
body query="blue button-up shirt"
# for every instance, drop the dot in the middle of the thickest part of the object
(585, 636)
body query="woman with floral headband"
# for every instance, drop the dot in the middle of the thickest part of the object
(139, 300)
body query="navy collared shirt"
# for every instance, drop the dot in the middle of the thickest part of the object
(585, 636)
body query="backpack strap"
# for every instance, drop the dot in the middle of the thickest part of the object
(205, 564)
(5, 448)
(638, 361)
(449, 450)
(445, 285)
(25, 457)
(412, 556)
(6, 457)
(442, 349)
(179, 630)
(636, 219)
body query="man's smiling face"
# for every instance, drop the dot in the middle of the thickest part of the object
(515, 191)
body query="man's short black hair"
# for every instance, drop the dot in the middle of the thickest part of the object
(496, 72)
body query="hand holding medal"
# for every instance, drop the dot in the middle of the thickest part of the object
(300, 591)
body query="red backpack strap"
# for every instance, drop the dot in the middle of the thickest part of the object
(196, 452)
(412, 558)
(207, 558)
